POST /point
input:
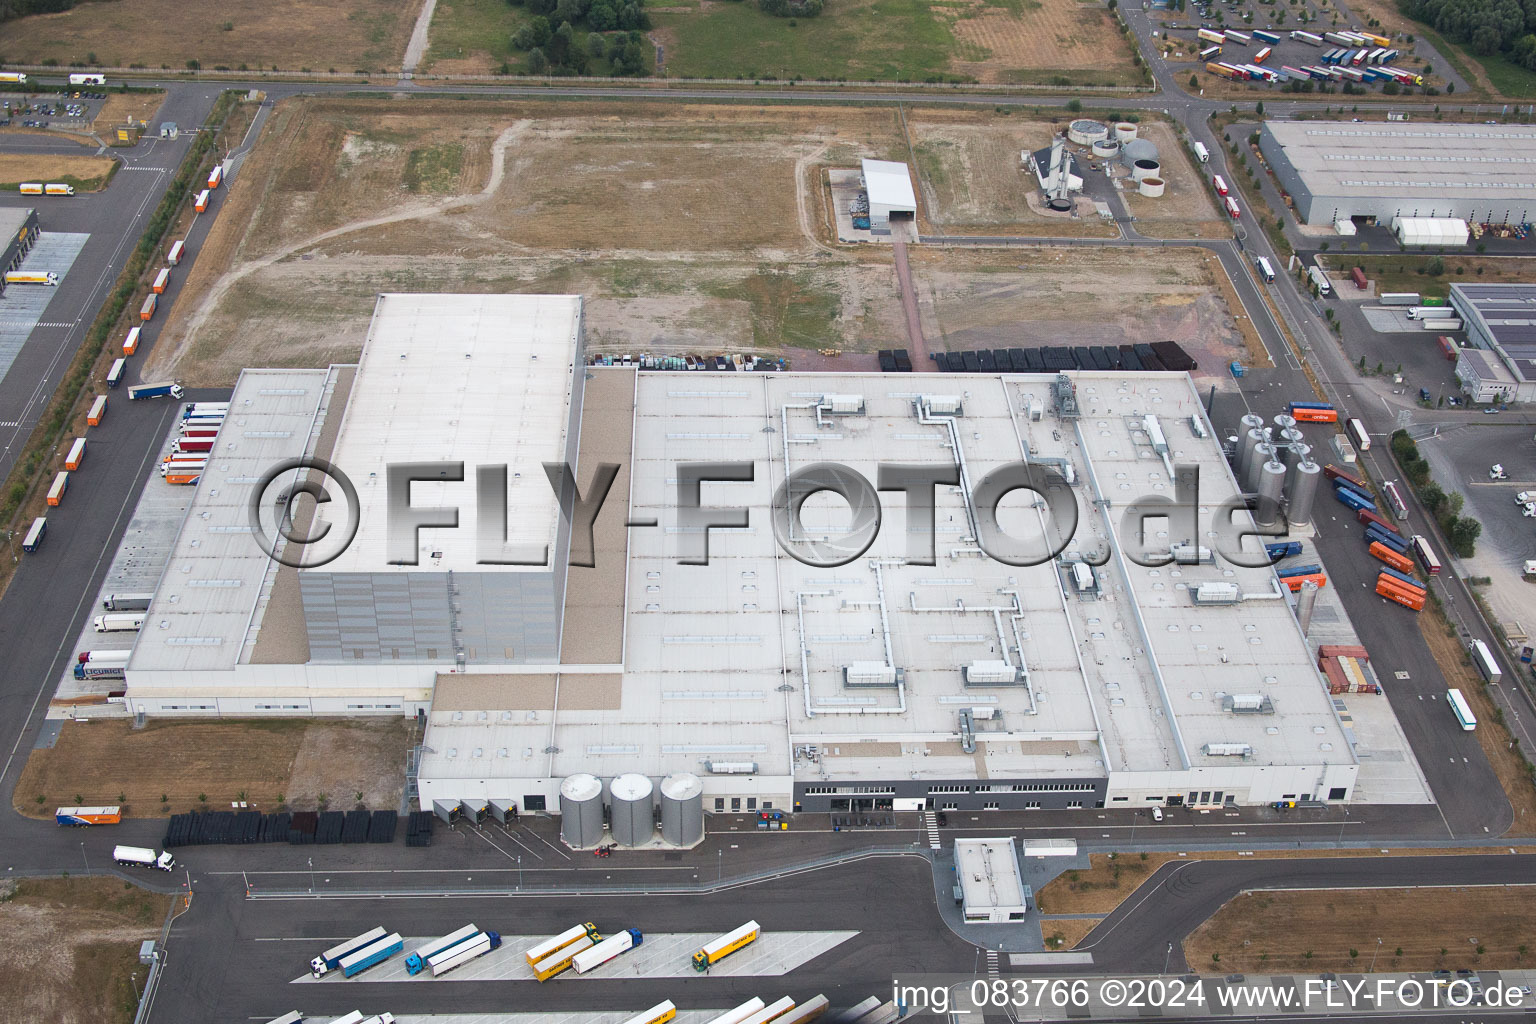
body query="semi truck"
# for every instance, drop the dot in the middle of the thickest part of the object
(331, 958)
(131, 341)
(42, 277)
(108, 670)
(13, 77)
(139, 857)
(162, 279)
(590, 959)
(1201, 152)
(130, 622)
(115, 374)
(1320, 279)
(76, 456)
(477, 945)
(174, 253)
(204, 409)
(165, 389)
(125, 603)
(113, 657)
(562, 959)
(78, 816)
(1307, 37)
(202, 445)
(35, 534)
(416, 962)
(57, 488)
(1219, 184)
(371, 956)
(151, 303)
(719, 948)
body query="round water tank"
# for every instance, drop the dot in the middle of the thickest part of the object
(682, 809)
(581, 810)
(1125, 131)
(1150, 187)
(1144, 169)
(1105, 148)
(1059, 205)
(631, 813)
(1085, 131)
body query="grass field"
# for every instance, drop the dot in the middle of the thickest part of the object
(72, 949)
(1337, 930)
(346, 35)
(473, 37)
(86, 173)
(256, 760)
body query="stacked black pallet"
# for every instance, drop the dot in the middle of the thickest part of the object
(275, 827)
(1174, 357)
(301, 827)
(381, 827)
(355, 828)
(903, 361)
(1129, 357)
(328, 830)
(247, 827)
(418, 829)
(178, 830)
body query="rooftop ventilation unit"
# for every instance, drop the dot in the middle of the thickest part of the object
(731, 767)
(1216, 593)
(843, 405)
(1155, 432)
(869, 673)
(1227, 750)
(992, 673)
(940, 405)
(1249, 704)
(1064, 395)
(1190, 554)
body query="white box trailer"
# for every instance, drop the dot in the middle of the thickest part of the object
(606, 950)
(125, 623)
(455, 956)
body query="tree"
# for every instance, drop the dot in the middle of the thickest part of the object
(597, 48)
(1194, 81)
(1075, 106)
(1464, 536)
(538, 62)
(1432, 496)
(1258, 108)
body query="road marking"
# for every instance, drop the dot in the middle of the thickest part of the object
(931, 824)
(992, 970)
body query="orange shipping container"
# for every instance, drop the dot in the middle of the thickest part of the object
(131, 342)
(161, 280)
(76, 454)
(1295, 582)
(56, 492)
(1392, 558)
(1316, 415)
(151, 303)
(98, 411)
(1402, 595)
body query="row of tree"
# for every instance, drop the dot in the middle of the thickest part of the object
(1488, 26)
(21, 8)
(597, 15)
(1461, 531)
(790, 8)
(557, 52)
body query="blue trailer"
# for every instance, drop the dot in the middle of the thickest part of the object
(1324, 406)
(1403, 578)
(1283, 549)
(1268, 37)
(1298, 570)
(1350, 499)
(1385, 539)
(1318, 74)
(1352, 488)
(332, 958)
(369, 956)
(418, 960)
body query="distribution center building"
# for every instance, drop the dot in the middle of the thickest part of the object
(1338, 171)
(1499, 362)
(1085, 680)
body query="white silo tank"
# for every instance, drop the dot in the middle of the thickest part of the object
(581, 810)
(1303, 490)
(1271, 488)
(682, 809)
(1152, 187)
(631, 810)
(1125, 131)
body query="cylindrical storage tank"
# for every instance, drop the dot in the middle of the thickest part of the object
(682, 809)
(1250, 422)
(1137, 149)
(1298, 507)
(1284, 420)
(1271, 491)
(1151, 187)
(1305, 603)
(1125, 131)
(631, 810)
(1293, 455)
(1086, 131)
(1290, 435)
(1245, 449)
(1262, 453)
(1105, 148)
(1141, 170)
(581, 810)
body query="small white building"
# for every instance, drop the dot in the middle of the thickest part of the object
(891, 198)
(991, 883)
(1483, 377)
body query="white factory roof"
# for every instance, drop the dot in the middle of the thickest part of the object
(13, 219)
(203, 608)
(1411, 159)
(990, 880)
(889, 184)
(744, 659)
(477, 379)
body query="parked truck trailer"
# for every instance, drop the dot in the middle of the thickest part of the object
(723, 946)
(620, 942)
(139, 857)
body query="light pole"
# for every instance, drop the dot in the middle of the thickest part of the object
(720, 860)
(1372, 968)
(311, 873)
(519, 872)
(84, 857)
(1167, 957)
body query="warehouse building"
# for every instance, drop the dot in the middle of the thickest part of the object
(18, 228)
(891, 198)
(1339, 172)
(1499, 360)
(1085, 680)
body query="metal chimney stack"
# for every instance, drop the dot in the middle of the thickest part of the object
(1304, 605)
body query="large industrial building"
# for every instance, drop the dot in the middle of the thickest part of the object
(1404, 170)
(1086, 680)
(18, 231)
(1499, 362)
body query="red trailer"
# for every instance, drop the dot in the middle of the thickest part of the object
(1335, 473)
(1357, 275)
(1448, 346)
(1368, 517)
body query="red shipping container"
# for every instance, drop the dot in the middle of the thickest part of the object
(1368, 517)
(1338, 682)
(1358, 276)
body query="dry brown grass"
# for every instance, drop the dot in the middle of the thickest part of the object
(291, 34)
(1066, 933)
(1273, 932)
(121, 108)
(71, 948)
(110, 762)
(1185, 210)
(1492, 736)
(91, 170)
(1049, 34)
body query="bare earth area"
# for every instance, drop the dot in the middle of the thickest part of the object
(71, 954)
(1051, 34)
(1420, 930)
(263, 761)
(346, 36)
(120, 108)
(88, 171)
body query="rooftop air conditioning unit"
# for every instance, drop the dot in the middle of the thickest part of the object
(845, 405)
(869, 673)
(1227, 749)
(731, 767)
(994, 672)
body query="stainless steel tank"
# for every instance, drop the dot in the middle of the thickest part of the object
(682, 809)
(1271, 491)
(1303, 492)
(1262, 453)
(581, 810)
(631, 810)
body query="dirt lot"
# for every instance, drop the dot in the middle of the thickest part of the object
(71, 954)
(1066, 933)
(261, 760)
(1186, 209)
(122, 107)
(290, 34)
(974, 299)
(86, 173)
(997, 40)
(1420, 930)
